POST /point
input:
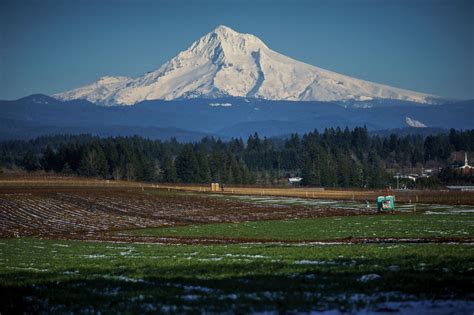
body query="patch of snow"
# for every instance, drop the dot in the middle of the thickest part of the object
(94, 256)
(71, 272)
(414, 123)
(245, 256)
(40, 101)
(191, 297)
(27, 268)
(124, 278)
(314, 262)
(436, 307)
(362, 105)
(209, 259)
(198, 288)
(220, 104)
(369, 277)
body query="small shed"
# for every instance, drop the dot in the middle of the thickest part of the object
(215, 187)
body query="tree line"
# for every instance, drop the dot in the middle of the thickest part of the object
(332, 158)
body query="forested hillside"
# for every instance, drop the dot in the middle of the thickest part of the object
(333, 158)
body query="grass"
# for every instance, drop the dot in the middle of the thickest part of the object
(405, 207)
(58, 276)
(329, 228)
(50, 276)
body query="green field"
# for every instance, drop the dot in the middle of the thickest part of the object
(85, 277)
(422, 225)
(290, 275)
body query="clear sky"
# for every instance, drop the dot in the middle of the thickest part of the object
(48, 46)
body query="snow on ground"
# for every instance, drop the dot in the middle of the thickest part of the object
(341, 204)
(314, 262)
(369, 277)
(220, 104)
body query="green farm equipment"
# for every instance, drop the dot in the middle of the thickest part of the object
(385, 203)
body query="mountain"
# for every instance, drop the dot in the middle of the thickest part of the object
(191, 119)
(225, 63)
(38, 115)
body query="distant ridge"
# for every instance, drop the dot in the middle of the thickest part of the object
(191, 119)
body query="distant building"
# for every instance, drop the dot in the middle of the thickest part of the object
(294, 180)
(466, 168)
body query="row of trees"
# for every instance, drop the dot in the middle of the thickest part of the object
(139, 159)
(333, 158)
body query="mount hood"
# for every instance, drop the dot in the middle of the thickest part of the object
(225, 63)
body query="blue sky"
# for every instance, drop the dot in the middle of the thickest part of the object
(50, 46)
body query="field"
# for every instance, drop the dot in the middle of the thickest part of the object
(118, 248)
(415, 196)
(40, 275)
(400, 227)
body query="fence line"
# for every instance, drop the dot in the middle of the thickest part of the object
(449, 197)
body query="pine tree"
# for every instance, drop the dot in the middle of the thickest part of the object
(49, 161)
(187, 167)
(168, 169)
(67, 169)
(30, 162)
(204, 169)
(93, 162)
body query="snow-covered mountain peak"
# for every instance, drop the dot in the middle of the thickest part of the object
(107, 80)
(227, 63)
(223, 29)
(235, 40)
(223, 42)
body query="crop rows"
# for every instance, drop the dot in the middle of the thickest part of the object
(85, 212)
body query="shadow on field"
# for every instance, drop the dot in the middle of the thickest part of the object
(230, 286)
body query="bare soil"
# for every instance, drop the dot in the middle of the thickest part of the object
(91, 213)
(84, 209)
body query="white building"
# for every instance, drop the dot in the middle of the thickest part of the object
(466, 166)
(295, 180)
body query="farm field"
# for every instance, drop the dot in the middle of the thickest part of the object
(87, 277)
(134, 249)
(421, 227)
(432, 197)
(89, 213)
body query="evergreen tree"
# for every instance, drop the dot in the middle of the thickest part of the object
(204, 169)
(30, 162)
(343, 158)
(49, 160)
(93, 162)
(67, 169)
(187, 167)
(168, 169)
